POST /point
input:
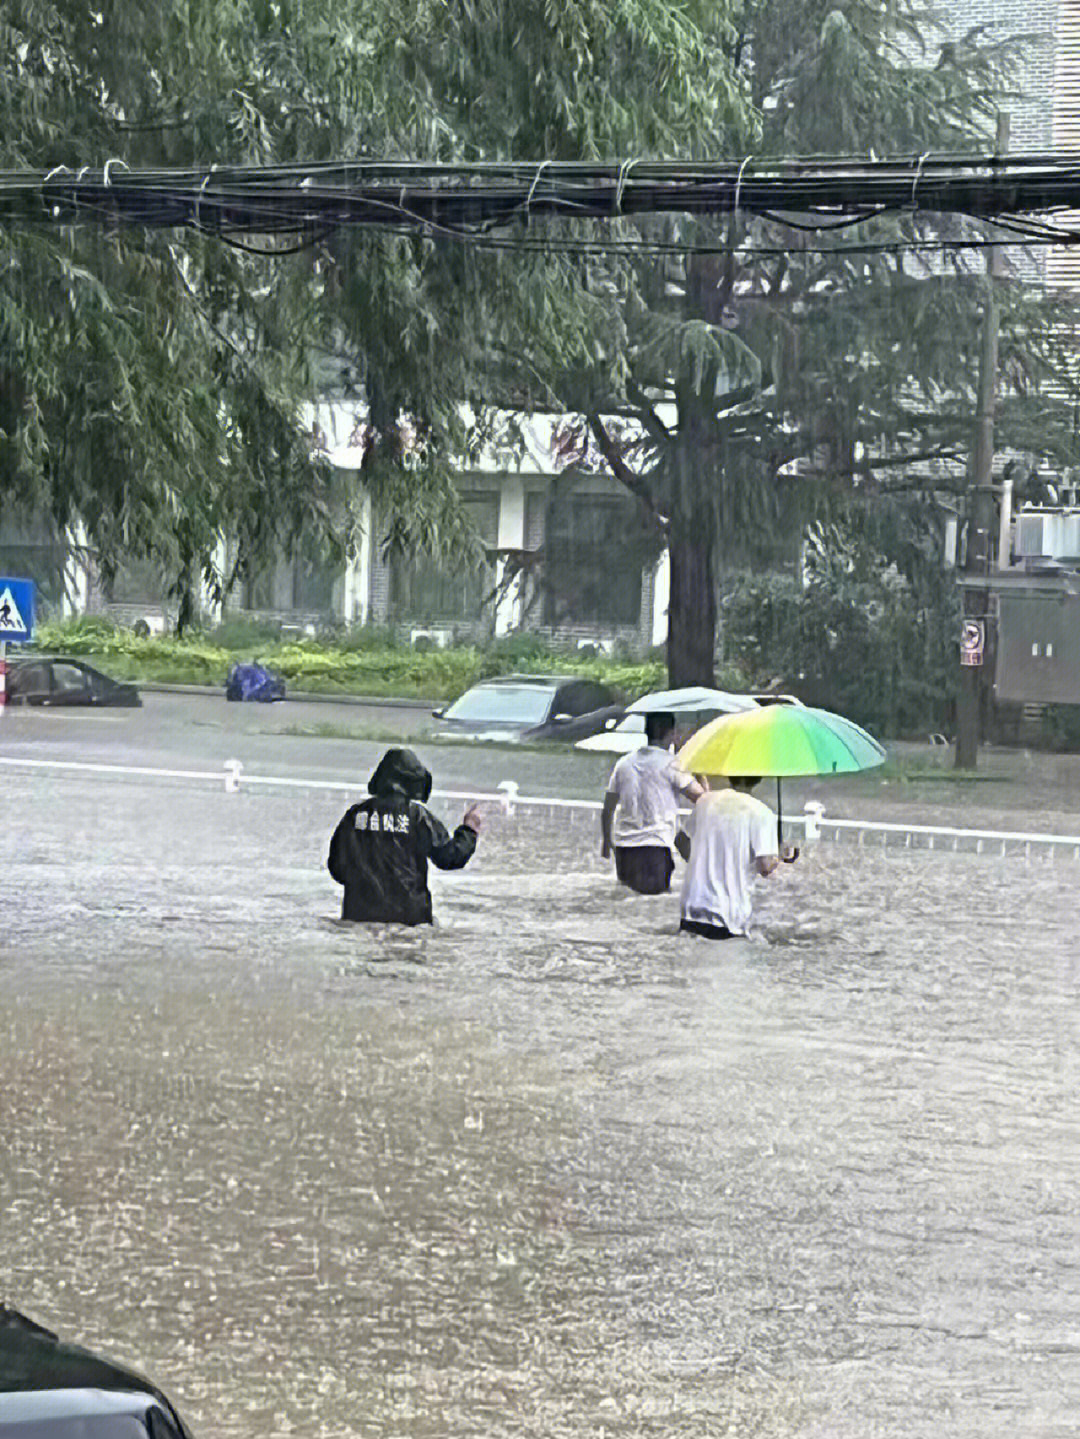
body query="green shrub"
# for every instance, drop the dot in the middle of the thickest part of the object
(242, 634)
(1061, 728)
(366, 637)
(520, 651)
(868, 651)
(85, 630)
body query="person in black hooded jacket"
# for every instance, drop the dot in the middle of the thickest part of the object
(381, 847)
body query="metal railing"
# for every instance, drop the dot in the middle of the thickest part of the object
(813, 821)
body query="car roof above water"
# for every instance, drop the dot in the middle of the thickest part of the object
(547, 681)
(38, 1406)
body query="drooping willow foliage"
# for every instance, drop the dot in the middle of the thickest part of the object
(151, 387)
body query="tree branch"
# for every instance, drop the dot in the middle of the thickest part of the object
(646, 413)
(635, 483)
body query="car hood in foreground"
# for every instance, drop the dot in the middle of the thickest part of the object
(79, 1413)
(39, 1372)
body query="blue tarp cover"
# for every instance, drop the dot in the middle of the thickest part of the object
(253, 682)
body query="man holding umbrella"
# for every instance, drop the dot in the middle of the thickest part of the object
(643, 794)
(732, 839)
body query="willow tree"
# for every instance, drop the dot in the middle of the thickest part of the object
(777, 375)
(148, 397)
(150, 384)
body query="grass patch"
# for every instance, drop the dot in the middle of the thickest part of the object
(326, 730)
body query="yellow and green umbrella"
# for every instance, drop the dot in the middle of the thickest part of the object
(780, 741)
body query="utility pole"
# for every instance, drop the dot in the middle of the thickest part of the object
(980, 543)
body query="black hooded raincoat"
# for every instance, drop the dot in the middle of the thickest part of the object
(381, 848)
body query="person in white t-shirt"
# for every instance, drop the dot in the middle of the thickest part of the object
(730, 841)
(641, 809)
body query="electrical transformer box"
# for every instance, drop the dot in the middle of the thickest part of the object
(1038, 648)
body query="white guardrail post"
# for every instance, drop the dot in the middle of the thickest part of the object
(509, 788)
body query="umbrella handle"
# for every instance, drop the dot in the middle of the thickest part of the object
(793, 856)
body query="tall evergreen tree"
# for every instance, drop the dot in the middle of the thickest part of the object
(789, 375)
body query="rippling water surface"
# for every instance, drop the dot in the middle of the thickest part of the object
(550, 1168)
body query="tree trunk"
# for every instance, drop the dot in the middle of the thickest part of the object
(691, 644)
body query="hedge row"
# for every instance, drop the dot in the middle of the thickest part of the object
(319, 667)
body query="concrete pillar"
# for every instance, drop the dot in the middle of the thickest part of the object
(356, 591)
(76, 596)
(1005, 526)
(209, 606)
(283, 571)
(509, 609)
(661, 599)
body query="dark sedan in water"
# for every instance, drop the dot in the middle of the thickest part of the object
(59, 682)
(516, 708)
(53, 1390)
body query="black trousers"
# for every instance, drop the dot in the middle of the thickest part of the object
(707, 931)
(646, 868)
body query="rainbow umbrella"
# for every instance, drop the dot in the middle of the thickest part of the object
(781, 741)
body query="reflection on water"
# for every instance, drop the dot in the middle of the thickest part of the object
(550, 1168)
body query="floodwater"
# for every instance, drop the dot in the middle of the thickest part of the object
(549, 1169)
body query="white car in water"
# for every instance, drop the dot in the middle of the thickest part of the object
(622, 737)
(692, 708)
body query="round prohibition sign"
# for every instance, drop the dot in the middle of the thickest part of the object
(972, 637)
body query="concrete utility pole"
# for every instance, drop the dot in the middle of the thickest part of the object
(980, 542)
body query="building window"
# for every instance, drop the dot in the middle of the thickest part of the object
(430, 590)
(137, 582)
(257, 592)
(35, 552)
(592, 562)
(301, 582)
(313, 576)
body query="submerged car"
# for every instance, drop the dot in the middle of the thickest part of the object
(517, 708)
(691, 708)
(59, 682)
(53, 1390)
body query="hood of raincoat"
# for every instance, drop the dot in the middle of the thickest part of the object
(400, 774)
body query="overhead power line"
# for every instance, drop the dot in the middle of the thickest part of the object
(488, 202)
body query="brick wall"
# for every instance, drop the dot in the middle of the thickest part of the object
(1032, 115)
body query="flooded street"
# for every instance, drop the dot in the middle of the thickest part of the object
(549, 1169)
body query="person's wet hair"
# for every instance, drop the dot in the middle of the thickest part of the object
(659, 726)
(744, 781)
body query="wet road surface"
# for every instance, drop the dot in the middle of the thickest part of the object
(341, 742)
(549, 1169)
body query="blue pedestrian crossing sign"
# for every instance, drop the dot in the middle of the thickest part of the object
(16, 609)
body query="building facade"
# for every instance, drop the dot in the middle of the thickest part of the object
(565, 555)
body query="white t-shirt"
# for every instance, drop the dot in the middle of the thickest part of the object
(729, 829)
(648, 785)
